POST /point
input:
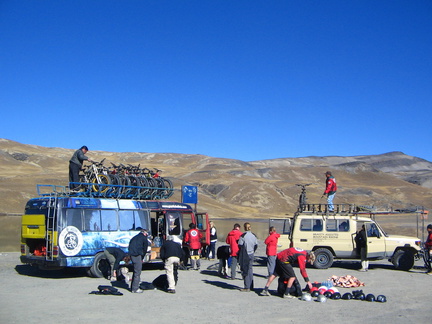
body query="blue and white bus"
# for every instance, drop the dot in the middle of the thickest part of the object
(61, 232)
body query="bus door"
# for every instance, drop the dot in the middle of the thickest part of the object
(202, 223)
(166, 223)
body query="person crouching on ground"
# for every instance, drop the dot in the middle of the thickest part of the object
(115, 255)
(284, 268)
(171, 253)
(248, 244)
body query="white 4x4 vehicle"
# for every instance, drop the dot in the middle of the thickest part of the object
(332, 236)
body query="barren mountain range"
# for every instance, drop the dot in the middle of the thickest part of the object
(233, 188)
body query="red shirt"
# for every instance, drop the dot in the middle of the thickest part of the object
(428, 242)
(193, 238)
(232, 239)
(295, 256)
(271, 242)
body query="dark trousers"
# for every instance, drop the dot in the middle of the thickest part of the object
(137, 268)
(74, 170)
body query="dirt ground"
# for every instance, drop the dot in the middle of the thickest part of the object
(29, 295)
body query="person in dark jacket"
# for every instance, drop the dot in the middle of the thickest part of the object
(75, 165)
(115, 255)
(137, 250)
(361, 246)
(171, 253)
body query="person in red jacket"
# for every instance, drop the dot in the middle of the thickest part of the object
(284, 268)
(232, 239)
(330, 190)
(271, 249)
(428, 247)
(193, 240)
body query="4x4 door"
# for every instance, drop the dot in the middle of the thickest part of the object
(375, 241)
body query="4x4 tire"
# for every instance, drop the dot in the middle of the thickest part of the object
(324, 258)
(403, 260)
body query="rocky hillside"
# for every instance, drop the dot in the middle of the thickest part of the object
(232, 188)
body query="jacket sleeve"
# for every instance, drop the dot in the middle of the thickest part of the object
(302, 265)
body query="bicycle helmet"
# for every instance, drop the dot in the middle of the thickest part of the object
(360, 296)
(336, 296)
(328, 294)
(321, 299)
(306, 297)
(315, 293)
(370, 297)
(347, 296)
(381, 299)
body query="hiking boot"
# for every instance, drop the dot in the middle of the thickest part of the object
(138, 291)
(264, 292)
(245, 290)
(288, 296)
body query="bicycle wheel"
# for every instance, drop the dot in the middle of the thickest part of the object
(135, 184)
(168, 191)
(115, 189)
(145, 190)
(159, 188)
(153, 188)
(101, 183)
(125, 182)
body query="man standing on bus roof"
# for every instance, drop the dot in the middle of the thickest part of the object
(75, 165)
(137, 250)
(330, 190)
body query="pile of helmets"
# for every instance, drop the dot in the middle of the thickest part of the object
(323, 293)
(359, 295)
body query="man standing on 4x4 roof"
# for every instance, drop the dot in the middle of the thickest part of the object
(330, 190)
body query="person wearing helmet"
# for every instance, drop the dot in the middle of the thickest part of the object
(284, 268)
(428, 247)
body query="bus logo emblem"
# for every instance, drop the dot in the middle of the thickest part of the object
(70, 241)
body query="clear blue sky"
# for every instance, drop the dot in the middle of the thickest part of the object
(247, 80)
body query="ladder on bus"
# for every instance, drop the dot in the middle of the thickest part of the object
(51, 226)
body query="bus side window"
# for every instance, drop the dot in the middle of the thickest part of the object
(109, 220)
(92, 221)
(141, 219)
(127, 221)
(73, 218)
